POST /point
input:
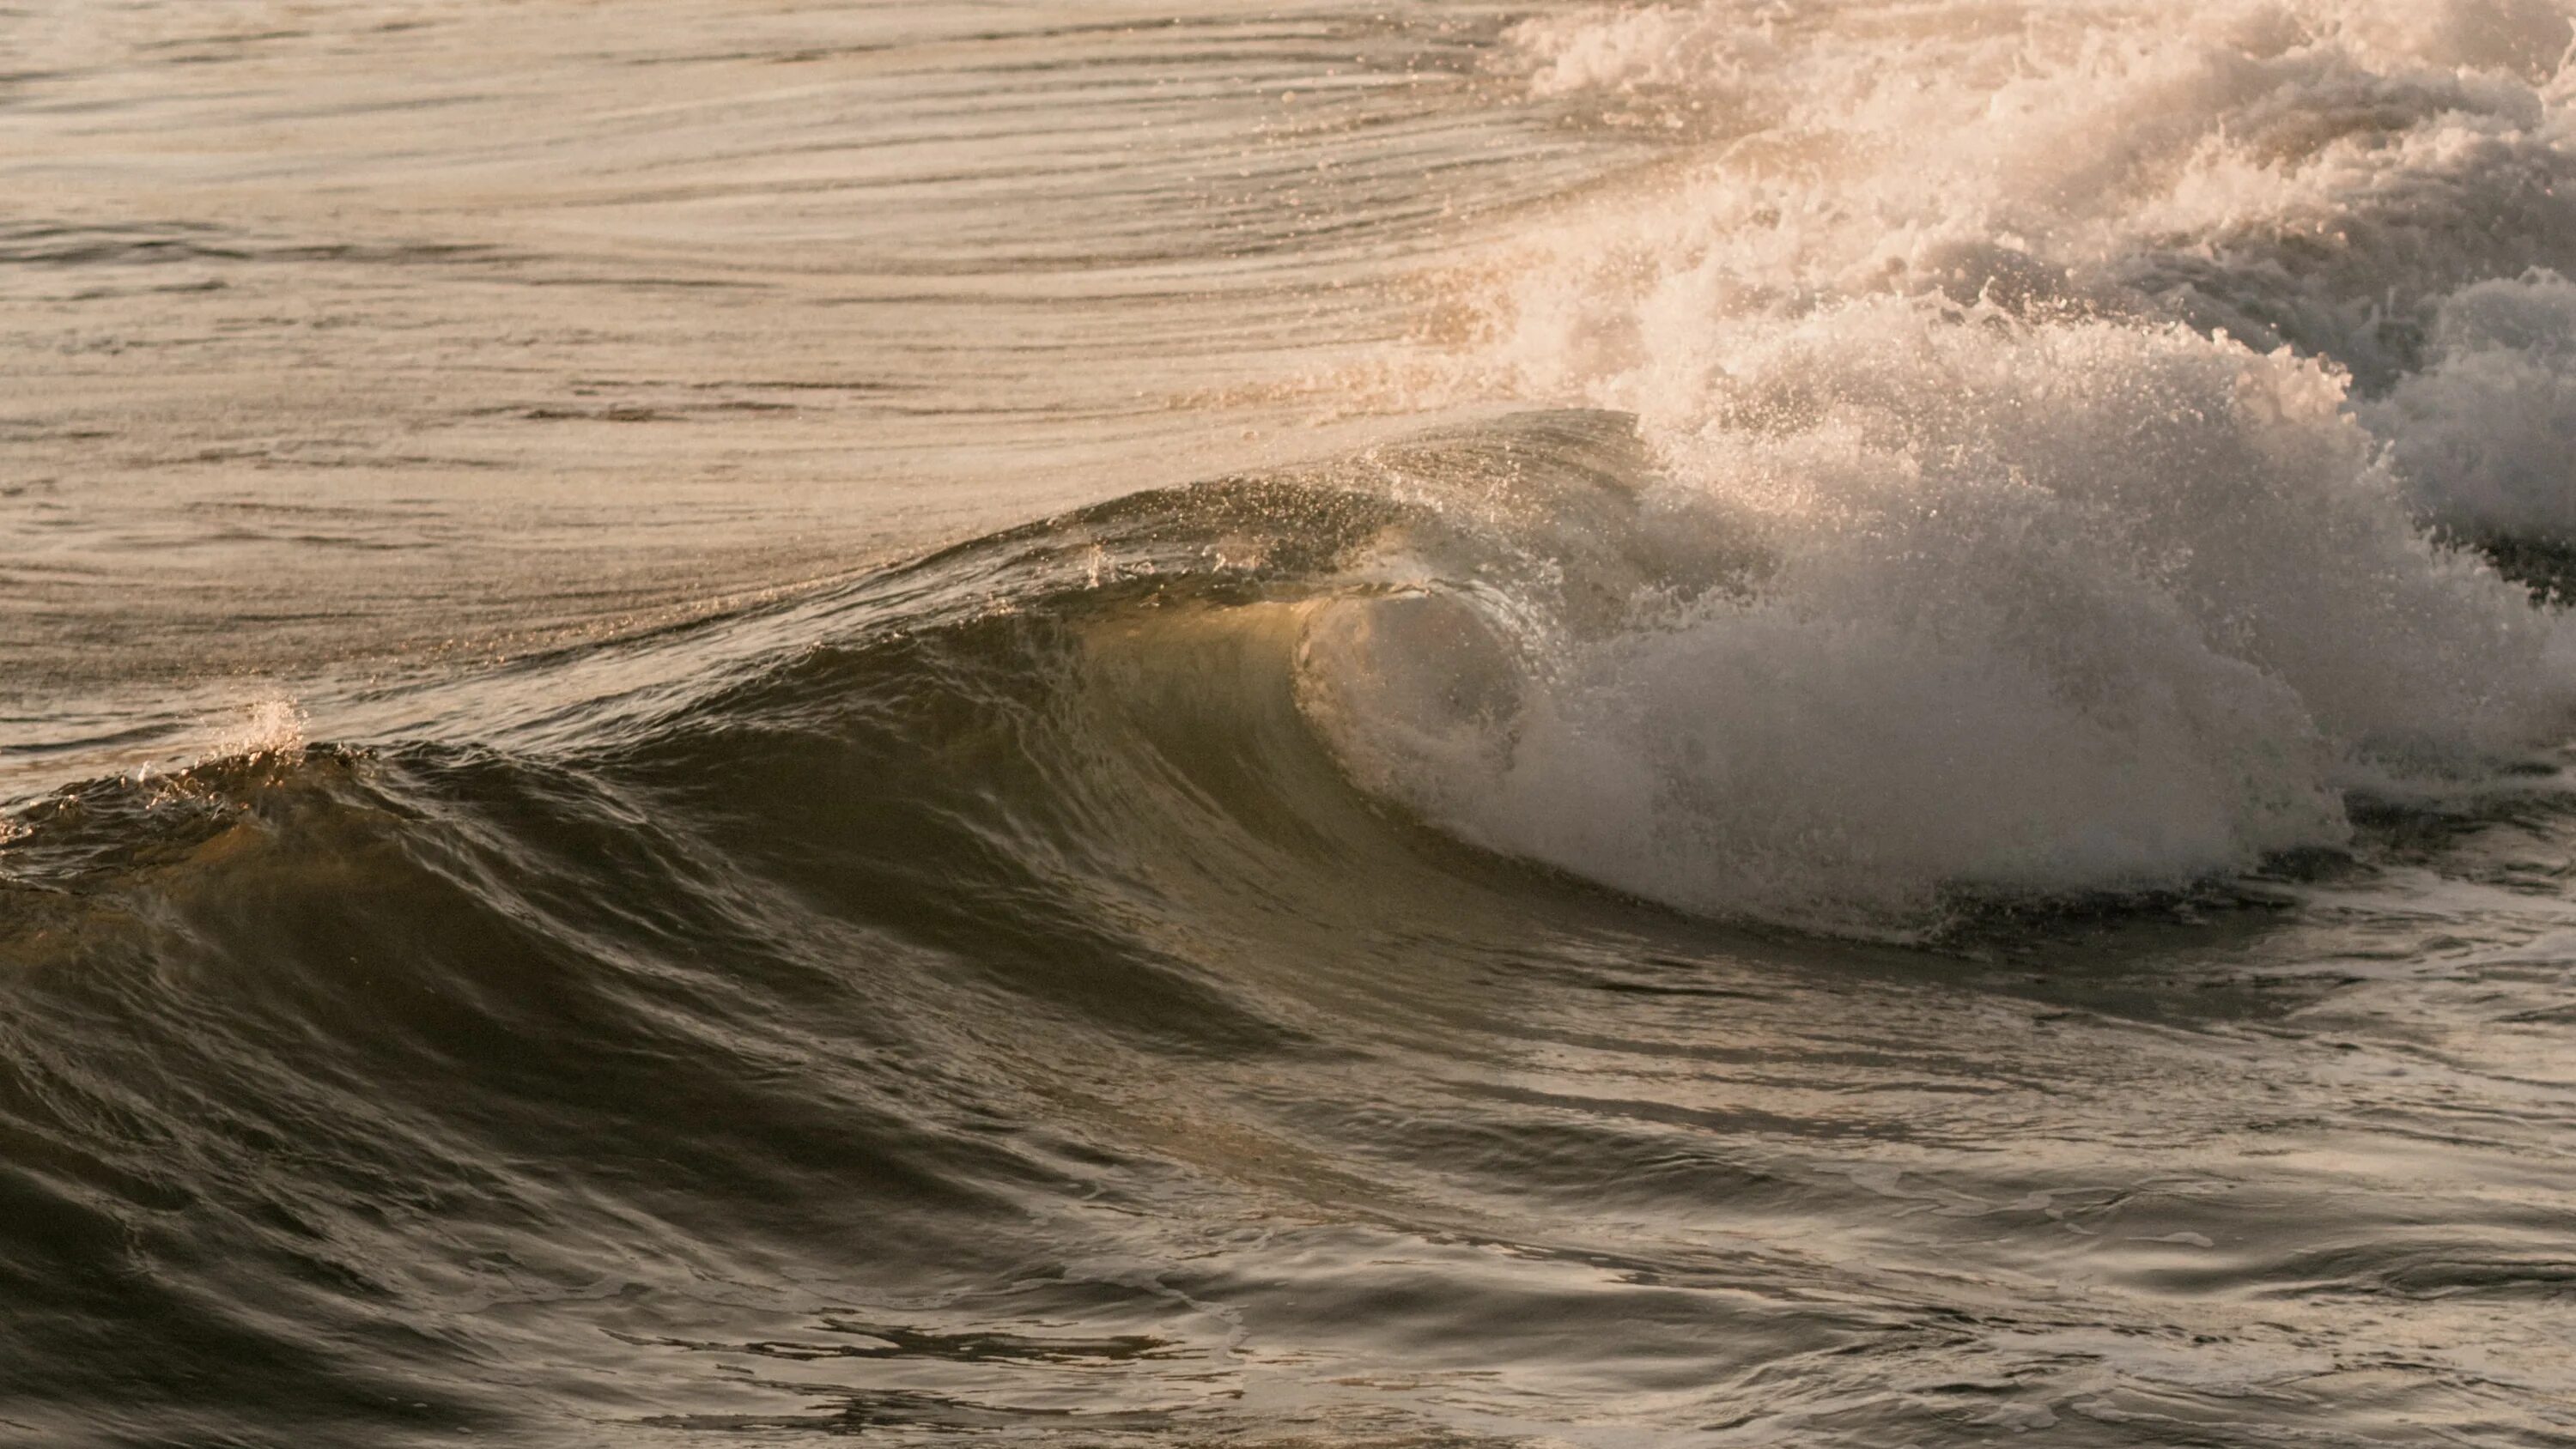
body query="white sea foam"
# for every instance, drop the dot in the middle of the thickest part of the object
(2486, 432)
(2092, 373)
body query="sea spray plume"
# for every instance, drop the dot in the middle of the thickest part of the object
(2321, 176)
(269, 727)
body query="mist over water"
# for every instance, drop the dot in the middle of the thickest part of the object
(1733, 723)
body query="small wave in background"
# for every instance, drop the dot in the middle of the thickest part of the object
(1726, 724)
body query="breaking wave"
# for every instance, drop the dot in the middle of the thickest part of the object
(2105, 396)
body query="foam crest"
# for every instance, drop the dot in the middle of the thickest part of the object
(2090, 375)
(2055, 609)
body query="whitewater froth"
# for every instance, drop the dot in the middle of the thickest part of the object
(2108, 386)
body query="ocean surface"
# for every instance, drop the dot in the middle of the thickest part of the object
(1436, 724)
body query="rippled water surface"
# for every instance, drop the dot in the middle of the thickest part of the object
(1723, 724)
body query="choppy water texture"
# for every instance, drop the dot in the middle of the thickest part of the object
(1738, 724)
